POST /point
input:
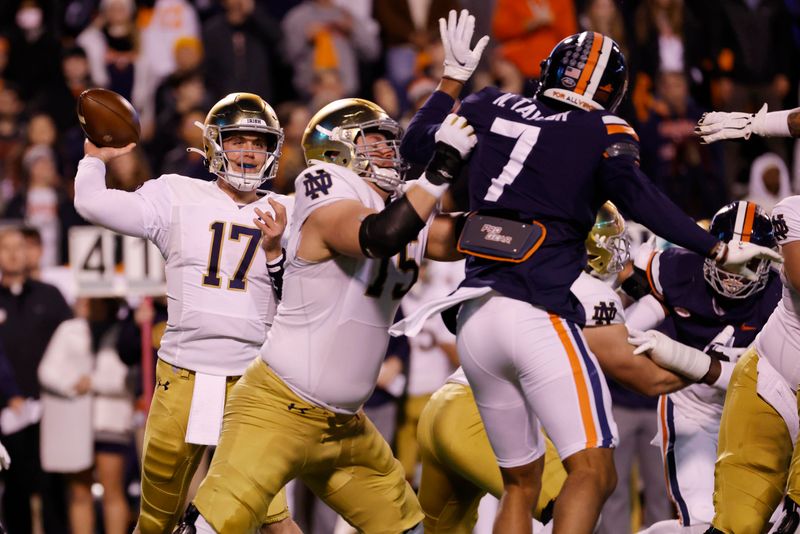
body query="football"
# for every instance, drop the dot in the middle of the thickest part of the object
(107, 118)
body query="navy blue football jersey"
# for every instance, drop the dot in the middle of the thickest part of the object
(532, 162)
(698, 312)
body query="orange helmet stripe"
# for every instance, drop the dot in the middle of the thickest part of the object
(591, 63)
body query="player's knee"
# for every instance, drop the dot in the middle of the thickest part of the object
(595, 467)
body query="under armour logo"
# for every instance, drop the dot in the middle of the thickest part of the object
(164, 385)
(604, 313)
(317, 183)
(780, 227)
(295, 407)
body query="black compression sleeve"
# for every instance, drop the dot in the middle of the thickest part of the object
(384, 234)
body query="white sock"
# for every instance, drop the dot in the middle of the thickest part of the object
(202, 526)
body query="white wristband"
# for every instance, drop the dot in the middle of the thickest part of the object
(774, 124)
(435, 190)
(724, 376)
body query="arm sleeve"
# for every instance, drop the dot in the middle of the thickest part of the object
(418, 142)
(645, 314)
(123, 212)
(627, 186)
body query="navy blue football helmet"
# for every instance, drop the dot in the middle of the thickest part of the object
(740, 221)
(586, 70)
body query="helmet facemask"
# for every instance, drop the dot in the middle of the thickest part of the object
(607, 244)
(370, 159)
(220, 162)
(736, 286)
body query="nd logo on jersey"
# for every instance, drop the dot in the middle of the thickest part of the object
(317, 183)
(604, 313)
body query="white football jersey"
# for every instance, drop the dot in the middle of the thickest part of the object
(779, 340)
(220, 297)
(600, 302)
(330, 334)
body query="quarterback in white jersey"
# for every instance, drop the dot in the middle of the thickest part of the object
(350, 259)
(220, 296)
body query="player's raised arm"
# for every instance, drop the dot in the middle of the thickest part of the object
(719, 125)
(461, 60)
(121, 211)
(630, 188)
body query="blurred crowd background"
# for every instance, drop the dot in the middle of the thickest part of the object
(174, 58)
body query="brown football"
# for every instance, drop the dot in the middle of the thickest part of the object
(107, 118)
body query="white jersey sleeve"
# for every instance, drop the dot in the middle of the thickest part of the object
(144, 213)
(600, 302)
(324, 184)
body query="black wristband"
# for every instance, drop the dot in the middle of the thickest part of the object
(444, 165)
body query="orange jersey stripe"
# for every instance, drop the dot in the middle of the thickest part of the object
(591, 63)
(749, 216)
(580, 384)
(662, 418)
(621, 129)
(649, 272)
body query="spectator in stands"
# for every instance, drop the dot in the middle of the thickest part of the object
(128, 172)
(33, 252)
(87, 414)
(33, 61)
(688, 172)
(111, 43)
(242, 50)
(11, 138)
(528, 30)
(769, 181)
(407, 28)
(76, 77)
(188, 54)
(603, 16)
(43, 204)
(745, 76)
(294, 117)
(163, 25)
(30, 311)
(179, 160)
(321, 36)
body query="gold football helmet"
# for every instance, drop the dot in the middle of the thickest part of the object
(607, 244)
(332, 134)
(241, 112)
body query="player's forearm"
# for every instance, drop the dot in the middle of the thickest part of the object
(120, 211)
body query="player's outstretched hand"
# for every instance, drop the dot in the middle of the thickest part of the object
(670, 354)
(271, 228)
(460, 60)
(719, 125)
(456, 132)
(105, 153)
(737, 254)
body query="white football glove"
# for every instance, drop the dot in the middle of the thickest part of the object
(670, 354)
(457, 132)
(5, 459)
(719, 125)
(736, 254)
(721, 347)
(460, 61)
